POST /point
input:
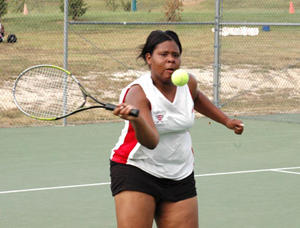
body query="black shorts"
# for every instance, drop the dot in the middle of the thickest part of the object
(127, 177)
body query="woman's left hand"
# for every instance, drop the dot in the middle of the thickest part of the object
(235, 125)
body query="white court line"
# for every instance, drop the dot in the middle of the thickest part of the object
(52, 188)
(246, 171)
(284, 171)
(198, 175)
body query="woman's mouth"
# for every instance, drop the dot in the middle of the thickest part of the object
(170, 70)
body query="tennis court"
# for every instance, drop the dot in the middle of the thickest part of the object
(59, 176)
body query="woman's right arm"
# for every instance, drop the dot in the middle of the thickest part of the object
(145, 130)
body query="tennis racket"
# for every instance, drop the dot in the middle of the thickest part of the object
(47, 92)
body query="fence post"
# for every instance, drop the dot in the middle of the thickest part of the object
(66, 23)
(216, 79)
(133, 5)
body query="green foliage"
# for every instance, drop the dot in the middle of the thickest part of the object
(17, 5)
(126, 5)
(111, 4)
(77, 8)
(173, 9)
(3, 7)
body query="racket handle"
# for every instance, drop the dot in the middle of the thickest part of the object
(133, 112)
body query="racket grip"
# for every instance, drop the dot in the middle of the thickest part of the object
(133, 112)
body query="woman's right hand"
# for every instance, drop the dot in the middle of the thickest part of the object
(123, 111)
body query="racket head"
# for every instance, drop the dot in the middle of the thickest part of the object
(48, 92)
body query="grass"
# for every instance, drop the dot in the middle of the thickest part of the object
(109, 49)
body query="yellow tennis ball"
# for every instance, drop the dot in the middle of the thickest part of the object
(180, 77)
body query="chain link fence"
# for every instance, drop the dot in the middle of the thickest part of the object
(259, 71)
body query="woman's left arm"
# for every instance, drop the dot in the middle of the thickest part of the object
(204, 106)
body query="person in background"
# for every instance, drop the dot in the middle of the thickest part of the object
(2, 32)
(152, 164)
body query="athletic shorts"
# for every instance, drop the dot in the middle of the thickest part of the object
(130, 178)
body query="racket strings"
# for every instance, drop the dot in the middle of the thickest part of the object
(48, 92)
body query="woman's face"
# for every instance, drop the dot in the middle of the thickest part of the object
(164, 60)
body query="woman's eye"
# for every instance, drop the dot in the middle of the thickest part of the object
(174, 55)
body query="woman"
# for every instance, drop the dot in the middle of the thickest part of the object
(152, 163)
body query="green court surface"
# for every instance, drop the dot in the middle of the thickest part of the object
(59, 177)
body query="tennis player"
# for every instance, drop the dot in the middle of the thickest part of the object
(152, 163)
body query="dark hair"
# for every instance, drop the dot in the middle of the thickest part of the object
(156, 37)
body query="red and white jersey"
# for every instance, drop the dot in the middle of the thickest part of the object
(173, 156)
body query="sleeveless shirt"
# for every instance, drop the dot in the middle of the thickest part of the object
(173, 157)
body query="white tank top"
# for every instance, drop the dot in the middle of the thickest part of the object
(173, 156)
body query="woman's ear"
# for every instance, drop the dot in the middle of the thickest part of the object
(148, 58)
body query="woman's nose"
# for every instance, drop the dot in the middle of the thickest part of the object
(171, 58)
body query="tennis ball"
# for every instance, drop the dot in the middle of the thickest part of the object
(180, 77)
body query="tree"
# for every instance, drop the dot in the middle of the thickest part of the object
(77, 8)
(126, 5)
(173, 9)
(111, 4)
(3, 7)
(17, 5)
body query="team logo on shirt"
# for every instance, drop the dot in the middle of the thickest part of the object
(159, 117)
